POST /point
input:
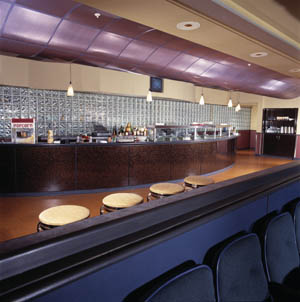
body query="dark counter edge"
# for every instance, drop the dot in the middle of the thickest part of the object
(72, 251)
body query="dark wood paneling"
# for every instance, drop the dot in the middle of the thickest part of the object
(102, 166)
(148, 164)
(7, 168)
(185, 160)
(208, 157)
(243, 140)
(83, 167)
(252, 139)
(42, 169)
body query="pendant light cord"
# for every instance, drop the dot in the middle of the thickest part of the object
(70, 74)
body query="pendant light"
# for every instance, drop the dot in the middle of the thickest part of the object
(238, 106)
(70, 91)
(202, 102)
(230, 100)
(149, 96)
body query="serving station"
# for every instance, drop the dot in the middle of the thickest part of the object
(171, 153)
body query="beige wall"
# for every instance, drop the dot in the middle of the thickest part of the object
(44, 75)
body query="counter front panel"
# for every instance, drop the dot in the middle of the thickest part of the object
(54, 168)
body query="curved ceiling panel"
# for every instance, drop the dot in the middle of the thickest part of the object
(65, 31)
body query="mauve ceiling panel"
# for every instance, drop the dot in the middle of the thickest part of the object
(58, 55)
(182, 62)
(156, 37)
(109, 44)
(29, 26)
(216, 71)
(127, 28)
(68, 34)
(179, 44)
(161, 58)
(85, 15)
(91, 61)
(125, 45)
(122, 66)
(200, 66)
(137, 51)
(54, 7)
(4, 7)
(13, 47)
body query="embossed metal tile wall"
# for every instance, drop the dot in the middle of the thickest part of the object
(74, 115)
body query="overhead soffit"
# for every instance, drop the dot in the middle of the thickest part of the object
(66, 31)
(280, 14)
(165, 14)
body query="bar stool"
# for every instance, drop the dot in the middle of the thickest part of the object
(164, 189)
(197, 181)
(118, 201)
(61, 215)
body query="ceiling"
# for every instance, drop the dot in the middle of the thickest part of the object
(141, 36)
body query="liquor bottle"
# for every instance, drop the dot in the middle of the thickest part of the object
(121, 131)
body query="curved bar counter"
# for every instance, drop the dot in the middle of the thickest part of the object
(55, 168)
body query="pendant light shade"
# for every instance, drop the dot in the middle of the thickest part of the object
(238, 106)
(149, 96)
(202, 102)
(70, 91)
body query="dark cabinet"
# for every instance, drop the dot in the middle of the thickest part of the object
(279, 128)
(279, 144)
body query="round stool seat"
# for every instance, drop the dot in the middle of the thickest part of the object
(196, 181)
(164, 189)
(61, 215)
(118, 201)
(64, 214)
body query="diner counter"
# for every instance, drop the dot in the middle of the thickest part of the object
(67, 167)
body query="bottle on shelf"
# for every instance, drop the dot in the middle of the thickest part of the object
(121, 131)
(114, 134)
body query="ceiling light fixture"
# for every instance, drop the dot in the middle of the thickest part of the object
(188, 25)
(230, 100)
(258, 54)
(70, 91)
(97, 15)
(201, 101)
(249, 64)
(294, 70)
(149, 96)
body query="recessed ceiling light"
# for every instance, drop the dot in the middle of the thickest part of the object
(294, 70)
(249, 64)
(188, 25)
(258, 54)
(97, 15)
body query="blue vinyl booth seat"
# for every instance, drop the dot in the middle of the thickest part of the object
(281, 257)
(239, 271)
(193, 285)
(294, 209)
